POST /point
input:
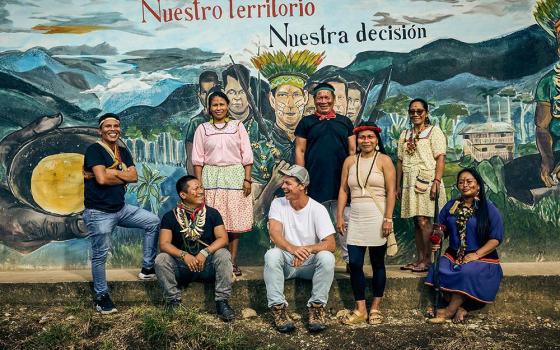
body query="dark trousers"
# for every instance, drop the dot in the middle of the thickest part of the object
(356, 255)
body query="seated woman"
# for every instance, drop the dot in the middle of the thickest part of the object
(469, 271)
(369, 179)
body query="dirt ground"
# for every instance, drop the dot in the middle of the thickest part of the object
(151, 327)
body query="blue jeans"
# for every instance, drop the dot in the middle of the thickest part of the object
(319, 268)
(331, 206)
(100, 226)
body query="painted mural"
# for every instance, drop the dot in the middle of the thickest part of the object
(488, 68)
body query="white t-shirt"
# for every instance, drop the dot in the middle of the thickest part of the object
(307, 226)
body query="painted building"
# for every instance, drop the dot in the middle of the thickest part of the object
(484, 141)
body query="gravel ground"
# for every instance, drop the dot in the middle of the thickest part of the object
(149, 327)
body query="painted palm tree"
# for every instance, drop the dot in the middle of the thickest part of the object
(487, 93)
(451, 111)
(508, 92)
(525, 100)
(395, 107)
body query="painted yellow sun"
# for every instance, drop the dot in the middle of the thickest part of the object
(57, 183)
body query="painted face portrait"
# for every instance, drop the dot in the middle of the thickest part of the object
(203, 89)
(289, 103)
(340, 98)
(354, 104)
(239, 103)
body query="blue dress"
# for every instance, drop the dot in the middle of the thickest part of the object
(479, 279)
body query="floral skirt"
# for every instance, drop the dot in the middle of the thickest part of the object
(224, 192)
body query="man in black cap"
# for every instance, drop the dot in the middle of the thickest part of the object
(323, 141)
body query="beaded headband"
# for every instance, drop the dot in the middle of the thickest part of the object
(359, 129)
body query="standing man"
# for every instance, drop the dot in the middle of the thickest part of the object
(206, 81)
(323, 141)
(108, 168)
(193, 244)
(304, 237)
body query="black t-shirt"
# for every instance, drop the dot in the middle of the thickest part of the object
(327, 148)
(107, 198)
(213, 219)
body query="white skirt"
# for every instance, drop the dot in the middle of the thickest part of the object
(365, 225)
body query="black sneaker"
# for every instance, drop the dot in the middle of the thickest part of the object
(173, 305)
(225, 312)
(147, 274)
(105, 305)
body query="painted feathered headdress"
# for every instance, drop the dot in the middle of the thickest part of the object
(293, 68)
(547, 13)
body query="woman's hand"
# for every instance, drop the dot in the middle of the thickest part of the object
(246, 188)
(434, 190)
(341, 225)
(387, 228)
(435, 247)
(399, 192)
(471, 257)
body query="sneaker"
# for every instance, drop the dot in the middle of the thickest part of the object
(282, 320)
(225, 312)
(316, 318)
(147, 274)
(105, 305)
(237, 271)
(173, 305)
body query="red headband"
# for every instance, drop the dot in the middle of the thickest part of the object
(359, 129)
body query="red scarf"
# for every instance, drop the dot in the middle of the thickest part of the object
(330, 115)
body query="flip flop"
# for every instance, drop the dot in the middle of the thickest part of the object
(409, 266)
(420, 268)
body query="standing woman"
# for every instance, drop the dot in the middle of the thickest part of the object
(420, 165)
(469, 271)
(222, 160)
(369, 179)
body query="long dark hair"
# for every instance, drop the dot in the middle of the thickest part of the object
(377, 134)
(480, 206)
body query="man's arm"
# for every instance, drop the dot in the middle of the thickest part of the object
(544, 141)
(301, 146)
(165, 246)
(129, 175)
(105, 176)
(328, 243)
(221, 241)
(351, 145)
(276, 232)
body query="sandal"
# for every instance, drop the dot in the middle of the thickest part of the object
(354, 317)
(408, 266)
(375, 317)
(420, 268)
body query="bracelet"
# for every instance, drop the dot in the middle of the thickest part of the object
(437, 180)
(182, 256)
(387, 220)
(249, 181)
(205, 252)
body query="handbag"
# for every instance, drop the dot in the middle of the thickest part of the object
(392, 248)
(422, 183)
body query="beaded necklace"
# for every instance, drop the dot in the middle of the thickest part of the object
(369, 173)
(463, 214)
(192, 224)
(226, 120)
(412, 141)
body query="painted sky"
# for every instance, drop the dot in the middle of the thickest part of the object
(48, 23)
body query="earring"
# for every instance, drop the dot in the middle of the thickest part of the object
(377, 147)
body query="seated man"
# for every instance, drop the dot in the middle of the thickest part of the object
(302, 231)
(193, 244)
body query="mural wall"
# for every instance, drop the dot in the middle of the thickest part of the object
(489, 70)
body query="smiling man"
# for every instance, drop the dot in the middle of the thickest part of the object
(323, 141)
(108, 168)
(303, 235)
(193, 243)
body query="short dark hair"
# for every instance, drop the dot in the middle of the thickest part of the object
(107, 116)
(230, 72)
(208, 76)
(355, 86)
(181, 185)
(338, 79)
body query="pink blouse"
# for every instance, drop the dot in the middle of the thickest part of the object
(216, 146)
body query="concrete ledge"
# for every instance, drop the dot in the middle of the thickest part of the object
(526, 288)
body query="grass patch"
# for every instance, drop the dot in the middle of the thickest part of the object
(57, 336)
(156, 328)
